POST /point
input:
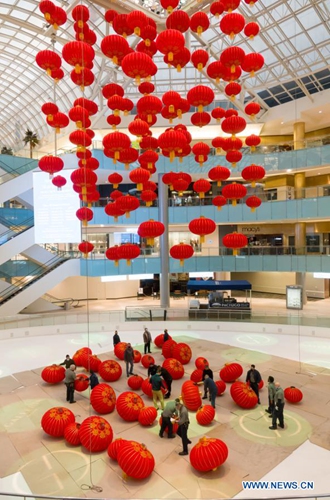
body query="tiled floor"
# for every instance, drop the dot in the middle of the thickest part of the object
(32, 461)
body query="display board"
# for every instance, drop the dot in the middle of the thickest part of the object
(294, 297)
(55, 209)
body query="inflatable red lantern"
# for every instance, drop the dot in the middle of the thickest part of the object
(221, 386)
(95, 434)
(208, 454)
(114, 447)
(201, 363)
(243, 395)
(134, 382)
(71, 434)
(55, 420)
(168, 347)
(175, 426)
(182, 352)
(110, 370)
(137, 356)
(53, 374)
(147, 360)
(81, 382)
(135, 460)
(147, 415)
(78, 354)
(129, 405)
(231, 372)
(174, 367)
(119, 350)
(159, 340)
(205, 415)
(90, 362)
(103, 399)
(293, 394)
(191, 396)
(196, 375)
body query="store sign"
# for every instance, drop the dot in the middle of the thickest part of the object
(251, 229)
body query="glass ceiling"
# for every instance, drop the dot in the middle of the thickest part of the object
(294, 40)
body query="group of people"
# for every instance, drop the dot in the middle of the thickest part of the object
(71, 376)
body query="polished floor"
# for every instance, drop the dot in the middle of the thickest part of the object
(31, 461)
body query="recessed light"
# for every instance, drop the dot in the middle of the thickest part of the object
(289, 170)
(320, 111)
(319, 173)
(282, 123)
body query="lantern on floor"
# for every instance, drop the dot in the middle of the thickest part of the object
(167, 348)
(208, 454)
(216, 8)
(110, 370)
(196, 375)
(235, 241)
(55, 420)
(232, 57)
(85, 215)
(139, 176)
(119, 350)
(178, 20)
(95, 433)
(150, 230)
(181, 252)
(221, 387)
(253, 173)
(234, 192)
(147, 415)
(137, 356)
(103, 399)
(293, 394)
(201, 363)
(175, 426)
(53, 374)
(134, 382)
(128, 203)
(174, 367)
(78, 354)
(135, 460)
(199, 58)
(169, 5)
(159, 340)
(205, 415)
(129, 405)
(71, 434)
(219, 174)
(219, 201)
(81, 382)
(191, 396)
(129, 251)
(243, 395)
(252, 141)
(51, 164)
(147, 360)
(90, 362)
(113, 210)
(182, 352)
(253, 202)
(114, 447)
(170, 42)
(199, 22)
(202, 226)
(85, 247)
(48, 60)
(231, 372)
(201, 187)
(232, 24)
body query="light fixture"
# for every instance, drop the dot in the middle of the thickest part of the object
(105, 279)
(289, 170)
(320, 111)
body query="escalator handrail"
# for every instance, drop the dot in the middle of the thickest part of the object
(15, 172)
(20, 229)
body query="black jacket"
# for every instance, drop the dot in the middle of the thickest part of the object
(67, 363)
(152, 370)
(116, 339)
(257, 376)
(166, 375)
(208, 372)
(166, 336)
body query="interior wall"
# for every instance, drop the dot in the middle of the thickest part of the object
(81, 287)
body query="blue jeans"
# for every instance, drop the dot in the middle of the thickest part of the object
(129, 368)
(213, 395)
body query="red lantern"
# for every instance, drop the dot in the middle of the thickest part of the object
(78, 54)
(95, 433)
(169, 5)
(235, 241)
(114, 211)
(181, 252)
(149, 143)
(251, 30)
(53, 374)
(180, 60)
(51, 164)
(148, 33)
(129, 251)
(202, 226)
(116, 104)
(180, 185)
(148, 197)
(85, 215)
(57, 74)
(200, 96)
(147, 415)
(136, 20)
(78, 354)
(252, 63)
(150, 230)
(200, 119)
(191, 396)
(201, 187)
(79, 115)
(252, 109)
(231, 372)
(175, 426)
(208, 454)
(134, 382)
(91, 106)
(138, 127)
(127, 156)
(137, 356)
(114, 195)
(149, 105)
(120, 25)
(159, 340)
(174, 367)
(85, 247)
(201, 363)
(139, 176)
(49, 109)
(110, 370)
(199, 58)
(116, 142)
(252, 141)
(128, 203)
(217, 143)
(90, 362)
(55, 420)
(243, 395)
(48, 60)
(196, 375)
(229, 5)
(168, 347)
(80, 139)
(234, 157)
(170, 42)
(103, 399)
(232, 57)
(147, 387)
(112, 89)
(219, 202)
(232, 89)
(205, 415)
(199, 22)
(293, 394)
(216, 70)
(201, 150)
(182, 352)
(234, 192)
(253, 202)
(232, 24)
(146, 88)
(114, 447)
(147, 360)
(221, 387)
(178, 20)
(253, 173)
(129, 405)
(119, 350)
(137, 65)
(71, 434)
(81, 382)
(136, 460)
(218, 114)
(216, 8)
(150, 49)
(219, 174)
(115, 179)
(60, 120)
(47, 8)
(233, 125)
(59, 181)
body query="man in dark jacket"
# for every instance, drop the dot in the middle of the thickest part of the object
(278, 407)
(183, 427)
(166, 335)
(168, 380)
(157, 385)
(116, 339)
(207, 371)
(129, 359)
(93, 380)
(152, 369)
(147, 339)
(169, 412)
(254, 378)
(211, 387)
(70, 377)
(67, 362)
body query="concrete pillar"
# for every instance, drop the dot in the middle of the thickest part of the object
(164, 287)
(299, 135)
(222, 275)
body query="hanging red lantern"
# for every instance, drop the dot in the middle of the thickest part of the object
(58, 17)
(216, 70)
(252, 141)
(138, 127)
(201, 363)
(201, 187)
(146, 88)
(208, 454)
(79, 115)
(59, 181)
(115, 103)
(119, 350)
(147, 360)
(199, 58)
(46, 7)
(167, 348)
(169, 5)
(59, 120)
(110, 15)
(252, 63)
(135, 459)
(200, 119)
(217, 143)
(253, 173)
(172, 100)
(49, 109)
(218, 114)
(57, 74)
(139, 176)
(201, 150)
(243, 395)
(293, 394)
(196, 376)
(136, 20)
(95, 433)
(205, 415)
(178, 20)
(232, 57)
(219, 174)
(235, 241)
(85, 248)
(129, 405)
(103, 399)
(232, 144)
(174, 367)
(51, 164)
(148, 197)
(110, 370)
(234, 192)
(116, 142)
(234, 157)
(182, 352)
(55, 420)
(202, 226)
(71, 434)
(78, 54)
(48, 60)
(91, 106)
(199, 22)
(134, 382)
(216, 8)
(150, 49)
(53, 374)
(147, 415)
(150, 230)
(200, 96)
(149, 105)
(114, 195)
(219, 202)
(251, 30)
(230, 5)
(128, 156)
(112, 252)
(112, 89)
(221, 387)
(115, 179)
(233, 125)
(181, 252)
(120, 25)
(232, 24)
(230, 372)
(180, 59)
(84, 78)
(191, 396)
(148, 33)
(113, 210)
(129, 251)
(232, 89)
(137, 65)
(81, 382)
(171, 142)
(159, 340)
(80, 139)
(252, 109)
(253, 202)
(85, 215)
(170, 42)
(151, 157)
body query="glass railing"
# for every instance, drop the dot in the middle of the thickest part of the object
(15, 230)
(15, 166)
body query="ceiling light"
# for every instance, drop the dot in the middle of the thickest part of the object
(320, 111)
(282, 123)
(289, 170)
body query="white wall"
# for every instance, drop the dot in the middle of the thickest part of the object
(82, 287)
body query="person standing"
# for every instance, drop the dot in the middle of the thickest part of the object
(147, 339)
(254, 378)
(70, 377)
(207, 371)
(67, 362)
(169, 412)
(211, 387)
(271, 396)
(183, 427)
(166, 335)
(168, 379)
(116, 339)
(157, 384)
(278, 407)
(93, 380)
(152, 369)
(129, 359)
